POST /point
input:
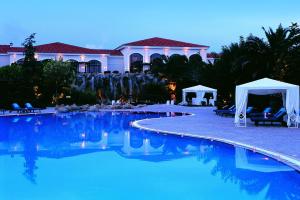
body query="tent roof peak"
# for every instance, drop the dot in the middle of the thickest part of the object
(199, 88)
(266, 83)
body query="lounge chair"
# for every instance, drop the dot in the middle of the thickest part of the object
(30, 108)
(231, 113)
(16, 107)
(267, 110)
(277, 117)
(224, 110)
(249, 110)
(2, 110)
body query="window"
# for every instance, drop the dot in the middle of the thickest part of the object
(155, 56)
(20, 61)
(136, 62)
(93, 66)
(76, 66)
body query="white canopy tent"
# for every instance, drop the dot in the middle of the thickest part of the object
(200, 91)
(266, 86)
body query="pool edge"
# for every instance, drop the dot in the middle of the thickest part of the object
(294, 163)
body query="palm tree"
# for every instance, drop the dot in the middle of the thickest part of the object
(276, 56)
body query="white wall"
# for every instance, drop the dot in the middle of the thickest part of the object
(4, 60)
(13, 57)
(115, 63)
(112, 63)
(146, 52)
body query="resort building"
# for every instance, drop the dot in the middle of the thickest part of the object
(123, 58)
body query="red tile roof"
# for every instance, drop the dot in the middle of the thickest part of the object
(4, 48)
(156, 41)
(58, 47)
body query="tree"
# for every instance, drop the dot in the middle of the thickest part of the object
(276, 56)
(31, 68)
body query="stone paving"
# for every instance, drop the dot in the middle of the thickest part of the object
(275, 141)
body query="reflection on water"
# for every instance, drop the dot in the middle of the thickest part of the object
(71, 135)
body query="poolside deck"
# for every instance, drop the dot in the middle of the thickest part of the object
(280, 142)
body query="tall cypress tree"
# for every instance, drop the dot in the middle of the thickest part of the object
(30, 66)
(32, 70)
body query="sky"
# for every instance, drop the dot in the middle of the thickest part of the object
(109, 23)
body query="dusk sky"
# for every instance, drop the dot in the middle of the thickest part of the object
(107, 24)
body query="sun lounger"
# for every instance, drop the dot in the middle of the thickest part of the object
(224, 109)
(277, 117)
(228, 112)
(30, 108)
(16, 107)
(2, 110)
(231, 113)
(267, 111)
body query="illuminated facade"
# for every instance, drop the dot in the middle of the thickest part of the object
(121, 59)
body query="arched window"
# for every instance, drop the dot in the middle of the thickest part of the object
(155, 56)
(93, 66)
(20, 61)
(175, 55)
(136, 62)
(75, 64)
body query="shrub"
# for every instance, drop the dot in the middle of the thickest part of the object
(11, 73)
(81, 98)
(155, 93)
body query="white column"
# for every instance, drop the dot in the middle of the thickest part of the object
(241, 98)
(103, 60)
(126, 55)
(184, 98)
(203, 54)
(146, 57)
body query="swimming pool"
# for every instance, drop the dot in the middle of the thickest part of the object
(100, 156)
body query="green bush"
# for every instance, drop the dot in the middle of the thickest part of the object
(11, 73)
(155, 93)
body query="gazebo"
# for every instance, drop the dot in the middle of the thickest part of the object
(266, 86)
(200, 91)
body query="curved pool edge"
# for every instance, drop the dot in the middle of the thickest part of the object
(288, 160)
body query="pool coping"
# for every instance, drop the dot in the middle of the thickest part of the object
(294, 163)
(25, 114)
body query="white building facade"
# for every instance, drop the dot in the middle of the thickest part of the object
(120, 59)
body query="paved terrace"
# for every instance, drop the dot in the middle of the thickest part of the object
(281, 143)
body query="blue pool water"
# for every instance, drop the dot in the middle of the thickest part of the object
(100, 156)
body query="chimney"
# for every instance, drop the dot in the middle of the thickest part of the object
(11, 44)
